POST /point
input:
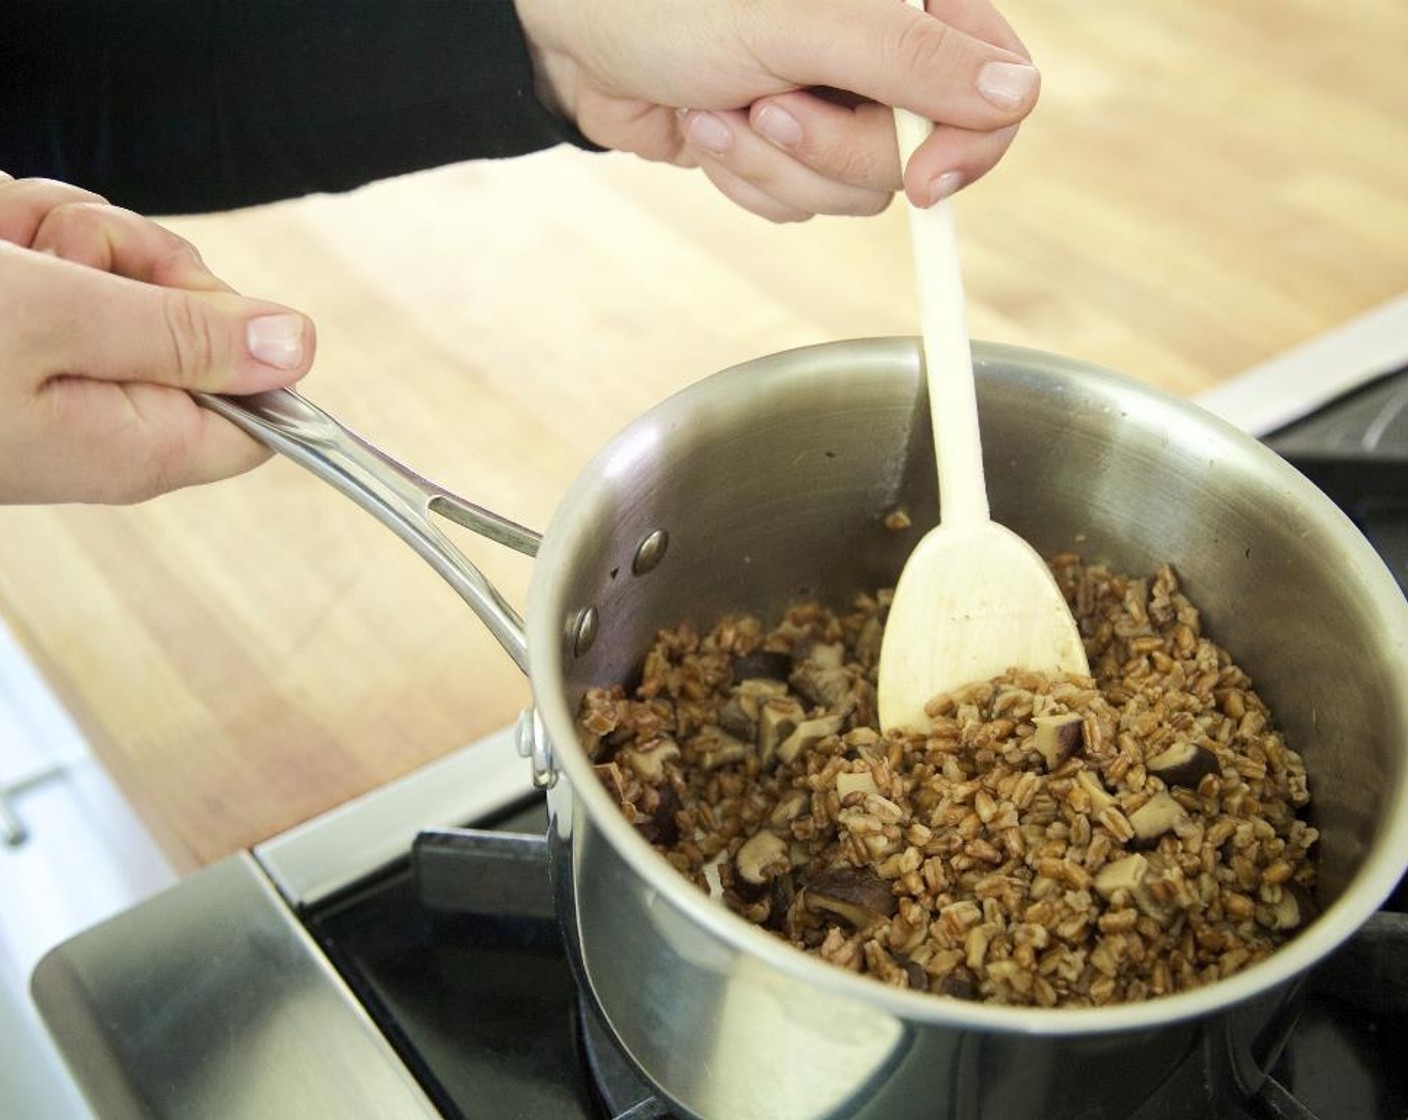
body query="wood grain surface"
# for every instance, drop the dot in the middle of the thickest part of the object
(1201, 187)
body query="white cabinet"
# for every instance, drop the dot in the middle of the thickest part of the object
(71, 854)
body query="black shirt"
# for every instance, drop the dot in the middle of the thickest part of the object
(171, 106)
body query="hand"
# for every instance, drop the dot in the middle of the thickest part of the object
(753, 84)
(106, 320)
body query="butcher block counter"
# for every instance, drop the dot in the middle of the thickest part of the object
(1202, 187)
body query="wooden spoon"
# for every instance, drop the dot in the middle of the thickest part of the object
(974, 599)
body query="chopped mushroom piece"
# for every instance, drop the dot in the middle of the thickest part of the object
(740, 715)
(1184, 764)
(808, 733)
(869, 640)
(712, 882)
(1057, 737)
(1125, 874)
(776, 721)
(720, 748)
(1100, 798)
(1285, 915)
(763, 857)
(826, 655)
(849, 782)
(1160, 814)
(1294, 909)
(612, 778)
(855, 894)
(1132, 874)
(648, 761)
(822, 677)
(789, 807)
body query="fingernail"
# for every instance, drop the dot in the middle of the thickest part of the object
(708, 132)
(779, 126)
(1007, 84)
(941, 186)
(276, 340)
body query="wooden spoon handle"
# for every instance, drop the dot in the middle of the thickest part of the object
(948, 353)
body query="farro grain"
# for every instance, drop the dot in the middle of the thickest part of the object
(1008, 870)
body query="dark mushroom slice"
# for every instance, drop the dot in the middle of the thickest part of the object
(1160, 814)
(661, 826)
(736, 721)
(915, 977)
(1057, 737)
(762, 663)
(1184, 764)
(857, 895)
(958, 984)
(781, 891)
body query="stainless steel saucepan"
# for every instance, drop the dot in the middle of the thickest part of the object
(771, 481)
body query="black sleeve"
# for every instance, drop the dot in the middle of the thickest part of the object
(171, 106)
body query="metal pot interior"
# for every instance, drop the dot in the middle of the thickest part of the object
(773, 479)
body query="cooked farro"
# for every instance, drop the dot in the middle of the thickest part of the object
(1049, 841)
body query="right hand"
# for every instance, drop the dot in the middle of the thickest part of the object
(107, 320)
(735, 87)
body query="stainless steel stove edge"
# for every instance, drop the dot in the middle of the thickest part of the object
(211, 1000)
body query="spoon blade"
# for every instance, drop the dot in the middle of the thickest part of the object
(972, 602)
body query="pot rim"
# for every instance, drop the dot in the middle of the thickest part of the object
(1364, 894)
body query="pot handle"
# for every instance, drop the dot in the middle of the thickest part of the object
(392, 493)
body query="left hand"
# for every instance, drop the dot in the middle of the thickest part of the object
(106, 321)
(743, 89)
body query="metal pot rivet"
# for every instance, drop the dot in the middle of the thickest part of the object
(650, 552)
(584, 630)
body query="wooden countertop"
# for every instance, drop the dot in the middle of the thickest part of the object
(1202, 187)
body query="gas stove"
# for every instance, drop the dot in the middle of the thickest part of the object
(399, 957)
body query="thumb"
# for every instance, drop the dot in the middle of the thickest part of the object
(112, 328)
